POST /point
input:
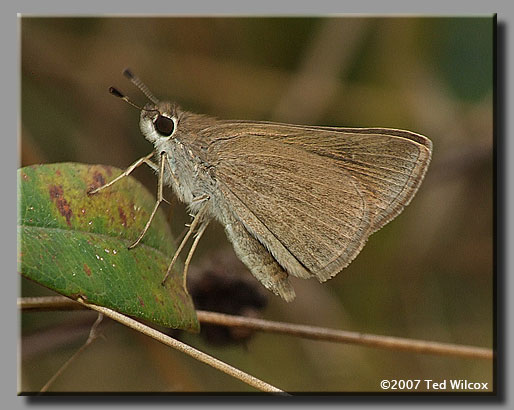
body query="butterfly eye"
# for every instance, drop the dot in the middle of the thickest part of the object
(164, 125)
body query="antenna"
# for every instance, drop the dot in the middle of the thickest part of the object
(139, 84)
(119, 94)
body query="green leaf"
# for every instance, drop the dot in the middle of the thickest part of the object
(77, 244)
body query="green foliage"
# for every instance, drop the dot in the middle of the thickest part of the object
(77, 244)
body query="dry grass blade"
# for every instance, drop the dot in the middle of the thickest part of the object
(93, 335)
(311, 332)
(184, 348)
(342, 336)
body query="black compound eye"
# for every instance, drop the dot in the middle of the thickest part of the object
(164, 125)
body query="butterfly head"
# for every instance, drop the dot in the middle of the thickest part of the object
(159, 121)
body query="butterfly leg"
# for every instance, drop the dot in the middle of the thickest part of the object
(197, 219)
(198, 235)
(160, 182)
(145, 160)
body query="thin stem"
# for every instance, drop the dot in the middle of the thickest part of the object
(310, 332)
(93, 334)
(342, 336)
(184, 348)
(48, 303)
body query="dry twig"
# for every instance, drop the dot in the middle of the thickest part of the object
(311, 332)
(184, 348)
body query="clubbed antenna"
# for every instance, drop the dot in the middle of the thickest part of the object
(119, 94)
(139, 84)
(116, 92)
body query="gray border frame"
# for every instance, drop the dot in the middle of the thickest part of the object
(504, 188)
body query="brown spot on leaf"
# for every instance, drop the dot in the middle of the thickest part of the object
(55, 191)
(98, 181)
(98, 178)
(58, 172)
(141, 301)
(87, 270)
(123, 217)
(57, 195)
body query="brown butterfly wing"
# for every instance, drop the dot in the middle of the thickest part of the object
(307, 211)
(312, 195)
(389, 163)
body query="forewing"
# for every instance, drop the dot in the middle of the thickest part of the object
(304, 207)
(389, 164)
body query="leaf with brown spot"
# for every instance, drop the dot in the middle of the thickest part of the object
(77, 244)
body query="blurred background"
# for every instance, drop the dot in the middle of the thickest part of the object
(427, 275)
